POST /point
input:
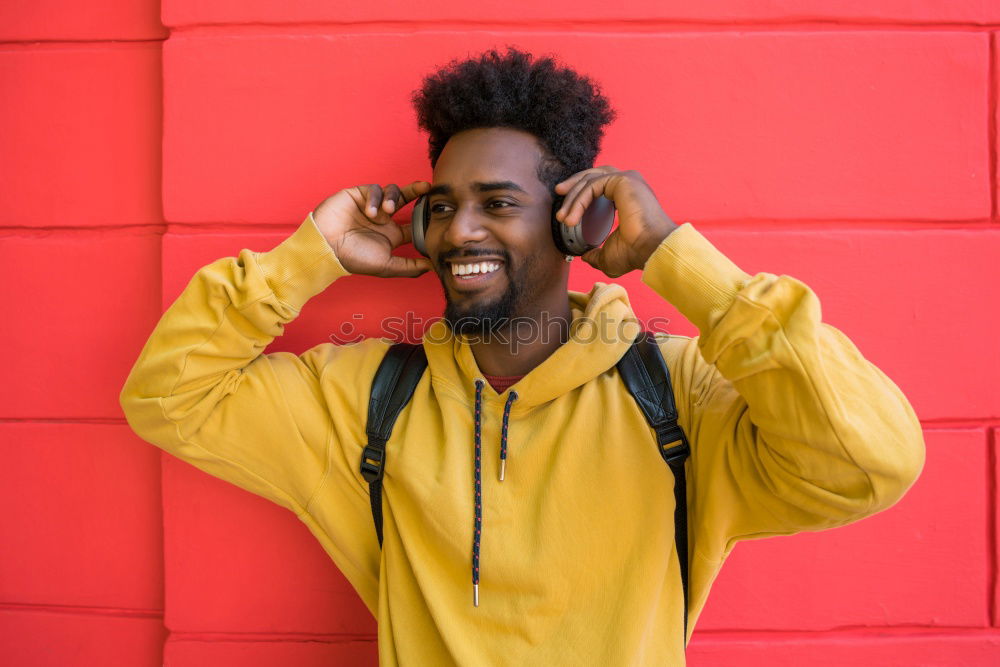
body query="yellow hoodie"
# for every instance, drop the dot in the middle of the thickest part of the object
(791, 429)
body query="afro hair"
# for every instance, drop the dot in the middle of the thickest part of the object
(564, 110)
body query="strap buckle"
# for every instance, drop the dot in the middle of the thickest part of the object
(372, 460)
(673, 444)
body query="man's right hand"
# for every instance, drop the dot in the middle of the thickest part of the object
(357, 223)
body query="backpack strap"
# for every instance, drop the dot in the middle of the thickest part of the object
(642, 369)
(395, 380)
(648, 380)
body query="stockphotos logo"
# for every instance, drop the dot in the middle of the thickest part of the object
(515, 332)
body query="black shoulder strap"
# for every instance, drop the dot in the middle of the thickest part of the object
(648, 380)
(395, 380)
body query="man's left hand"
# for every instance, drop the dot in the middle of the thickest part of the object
(642, 222)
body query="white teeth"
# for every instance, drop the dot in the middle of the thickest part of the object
(466, 269)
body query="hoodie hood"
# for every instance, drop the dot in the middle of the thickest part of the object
(603, 328)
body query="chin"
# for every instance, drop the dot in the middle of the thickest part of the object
(484, 317)
(489, 318)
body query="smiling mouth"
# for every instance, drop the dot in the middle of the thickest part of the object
(474, 274)
(474, 268)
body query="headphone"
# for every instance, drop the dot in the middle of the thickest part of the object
(593, 229)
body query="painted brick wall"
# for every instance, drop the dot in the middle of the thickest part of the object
(81, 225)
(850, 144)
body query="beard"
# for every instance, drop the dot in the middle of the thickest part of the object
(482, 319)
(487, 317)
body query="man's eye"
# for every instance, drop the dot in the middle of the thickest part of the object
(439, 208)
(503, 204)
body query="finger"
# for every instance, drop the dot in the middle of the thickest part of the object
(592, 257)
(391, 198)
(359, 195)
(603, 261)
(565, 186)
(591, 190)
(583, 194)
(405, 267)
(596, 259)
(373, 200)
(567, 202)
(414, 190)
(609, 259)
(571, 199)
(407, 235)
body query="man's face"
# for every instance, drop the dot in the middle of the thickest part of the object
(487, 205)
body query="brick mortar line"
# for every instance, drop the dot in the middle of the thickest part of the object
(842, 224)
(946, 423)
(27, 43)
(867, 634)
(82, 421)
(80, 610)
(598, 26)
(25, 231)
(594, 26)
(871, 631)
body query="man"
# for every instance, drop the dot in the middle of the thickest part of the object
(528, 517)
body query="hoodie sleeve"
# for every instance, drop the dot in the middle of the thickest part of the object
(791, 427)
(203, 391)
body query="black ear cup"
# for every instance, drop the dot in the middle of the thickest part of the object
(419, 218)
(594, 227)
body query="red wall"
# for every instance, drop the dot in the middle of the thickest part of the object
(850, 144)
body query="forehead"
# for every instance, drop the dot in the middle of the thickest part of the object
(489, 155)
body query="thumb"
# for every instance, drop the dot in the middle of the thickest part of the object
(593, 257)
(406, 267)
(607, 259)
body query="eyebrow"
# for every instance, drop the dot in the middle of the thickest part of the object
(478, 186)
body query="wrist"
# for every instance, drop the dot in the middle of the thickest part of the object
(693, 275)
(321, 217)
(301, 266)
(654, 241)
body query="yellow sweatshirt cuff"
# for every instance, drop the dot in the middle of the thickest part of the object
(693, 275)
(301, 266)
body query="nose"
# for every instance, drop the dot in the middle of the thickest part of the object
(464, 228)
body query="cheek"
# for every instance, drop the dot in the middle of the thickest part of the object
(432, 240)
(546, 251)
(542, 261)
(538, 239)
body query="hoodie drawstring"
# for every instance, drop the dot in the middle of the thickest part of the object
(478, 525)
(477, 529)
(503, 433)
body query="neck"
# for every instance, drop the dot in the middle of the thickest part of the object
(520, 347)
